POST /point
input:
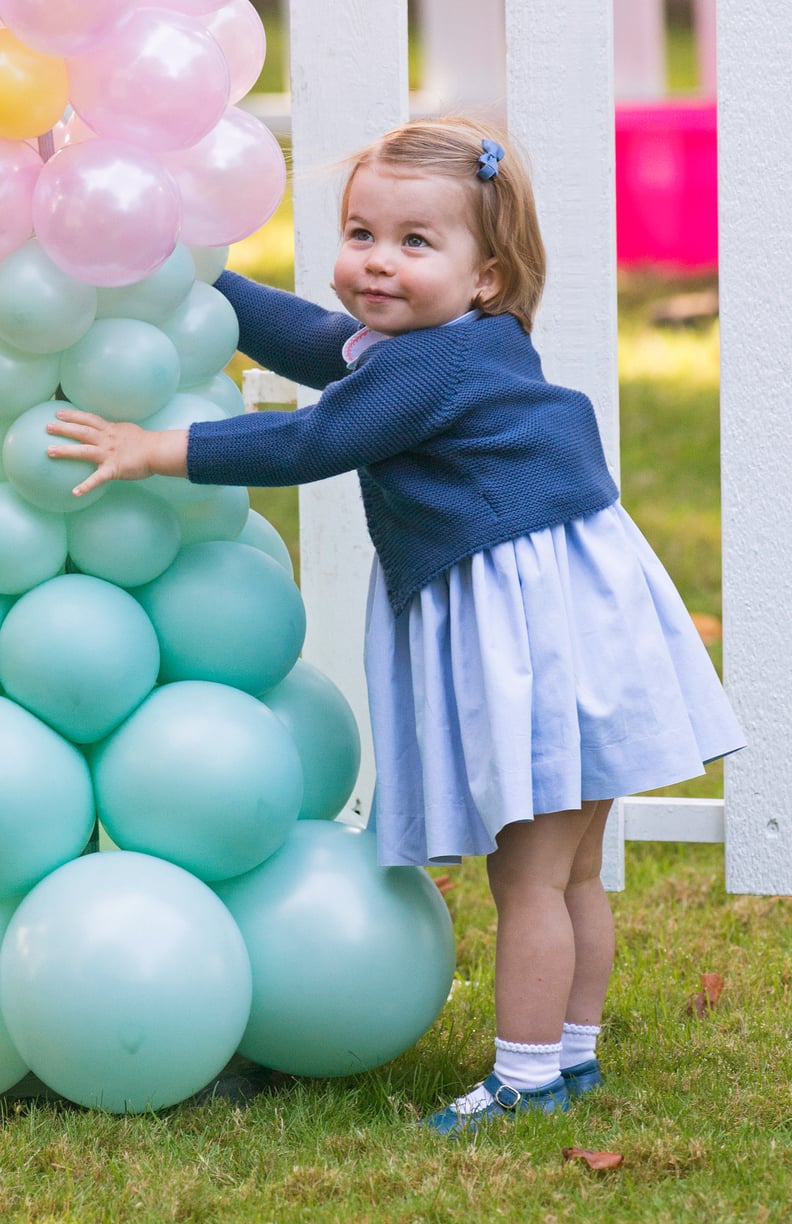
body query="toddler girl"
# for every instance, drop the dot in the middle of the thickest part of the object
(527, 656)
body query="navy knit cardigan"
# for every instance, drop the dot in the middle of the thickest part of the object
(459, 441)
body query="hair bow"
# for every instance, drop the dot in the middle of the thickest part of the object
(488, 161)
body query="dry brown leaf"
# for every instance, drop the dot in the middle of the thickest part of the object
(594, 1160)
(707, 998)
(445, 884)
(709, 627)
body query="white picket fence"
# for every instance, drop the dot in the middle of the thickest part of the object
(348, 85)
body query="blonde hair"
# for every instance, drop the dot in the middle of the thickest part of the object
(503, 212)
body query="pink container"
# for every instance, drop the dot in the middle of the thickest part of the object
(667, 185)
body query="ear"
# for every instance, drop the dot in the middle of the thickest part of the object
(489, 282)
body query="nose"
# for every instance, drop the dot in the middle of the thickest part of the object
(379, 258)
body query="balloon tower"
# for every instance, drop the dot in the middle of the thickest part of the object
(150, 633)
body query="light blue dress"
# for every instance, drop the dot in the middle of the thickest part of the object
(559, 667)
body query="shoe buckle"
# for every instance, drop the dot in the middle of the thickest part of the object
(510, 1099)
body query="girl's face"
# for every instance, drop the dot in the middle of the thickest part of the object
(409, 258)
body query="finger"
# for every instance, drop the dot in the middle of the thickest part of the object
(70, 430)
(97, 478)
(86, 452)
(78, 417)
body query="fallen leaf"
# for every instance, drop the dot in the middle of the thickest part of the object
(707, 998)
(445, 884)
(709, 627)
(594, 1160)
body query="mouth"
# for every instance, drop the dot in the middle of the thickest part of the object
(375, 296)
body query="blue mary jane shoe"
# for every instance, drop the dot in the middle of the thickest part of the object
(506, 1102)
(582, 1078)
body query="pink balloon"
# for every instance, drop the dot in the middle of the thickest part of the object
(106, 213)
(231, 182)
(196, 8)
(20, 167)
(160, 81)
(238, 29)
(62, 27)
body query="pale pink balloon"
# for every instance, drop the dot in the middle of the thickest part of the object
(231, 182)
(62, 27)
(195, 8)
(240, 33)
(20, 167)
(106, 213)
(160, 81)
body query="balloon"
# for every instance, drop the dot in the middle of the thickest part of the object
(323, 727)
(351, 962)
(45, 482)
(219, 516)
(123, 369)
(42, 308)
(231, 182)
(259, 533)
(47, 813)
(65, 28)
(223, 391)
(179, 413)
(34, 89)
(209, 262)
(154, 297)
(202, 775)
(205, 331)
(194, 7)
(225, 612)
(131, 537)
(105, 212)
(238, 29)
(32, 543)
(80, 653)
(19, 169)
(6, 604)
(25, 379)
(125, 982)
(12, 1067)
(159, 80)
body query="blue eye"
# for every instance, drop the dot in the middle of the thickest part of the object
(415, 240)
(360, 235)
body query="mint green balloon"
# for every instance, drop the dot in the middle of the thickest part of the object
(154, 297)
(324, 729)
(47, 812)
(46, 482)
(42, 309)
(129, 538)
(25, 379)
(202, 775)
(223, 391)
(6, 604)
(79, 653)
(225, 612)
(220, 515)
(259, 533)
(205, 331)
(12, 1068)
(209, 262)
(126, 983)
(122, 369)
(32, 543)
(351, 962)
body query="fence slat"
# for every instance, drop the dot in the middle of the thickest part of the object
(755, 189)
(349, 84)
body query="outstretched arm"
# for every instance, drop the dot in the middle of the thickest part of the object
(120, 450)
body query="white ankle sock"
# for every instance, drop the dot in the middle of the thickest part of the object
(526, 1066)
(578, 1043)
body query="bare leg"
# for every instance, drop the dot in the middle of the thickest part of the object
(538, 868)
(592, 922)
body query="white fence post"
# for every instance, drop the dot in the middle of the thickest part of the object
(559, 82)
(349, 84)
(755, 156)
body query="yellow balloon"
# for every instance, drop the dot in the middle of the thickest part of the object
(34, 89)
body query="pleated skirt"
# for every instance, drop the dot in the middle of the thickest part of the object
(549, 670)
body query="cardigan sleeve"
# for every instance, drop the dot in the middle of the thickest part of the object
(400, 396)
(287, 334)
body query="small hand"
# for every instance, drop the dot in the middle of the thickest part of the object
(120, 450)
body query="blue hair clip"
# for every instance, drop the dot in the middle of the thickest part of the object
(488, 162)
